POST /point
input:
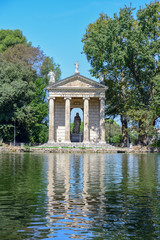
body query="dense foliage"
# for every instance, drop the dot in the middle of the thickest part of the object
(127, 50)
(113, 131)
(10, 38)
(23, 98)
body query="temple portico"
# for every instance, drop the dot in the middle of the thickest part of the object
(76, 91)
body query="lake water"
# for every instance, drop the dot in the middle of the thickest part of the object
(79, 196)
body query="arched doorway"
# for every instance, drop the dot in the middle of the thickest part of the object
(76, 125)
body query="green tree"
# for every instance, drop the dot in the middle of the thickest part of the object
(126, 50)
(15, 95)
(113, 131)
(23, 99)
(39, 104)
(29, 56)
(104, 48)
(146, 67)
(9, 38)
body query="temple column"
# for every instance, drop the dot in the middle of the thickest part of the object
(86, 120)
(102, 120)
(51, 120)
(67, 119)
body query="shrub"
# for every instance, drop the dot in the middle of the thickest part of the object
(117, 138)
(156, 144)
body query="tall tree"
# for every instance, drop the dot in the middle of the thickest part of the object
(145, 66)
(126, 50)
(23, 98)
(15, 95)
(104, 48)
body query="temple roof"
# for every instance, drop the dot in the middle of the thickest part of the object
(76, 81)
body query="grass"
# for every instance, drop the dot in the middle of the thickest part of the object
(63, 147)
(84, 147)
(44, 147)
(37, 147)
(56, 147)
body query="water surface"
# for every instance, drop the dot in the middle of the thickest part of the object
(79, 196)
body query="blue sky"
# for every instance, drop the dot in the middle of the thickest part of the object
(57, 26)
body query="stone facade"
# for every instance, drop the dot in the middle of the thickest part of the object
(59, 120)
(94, 118)
(76, 91)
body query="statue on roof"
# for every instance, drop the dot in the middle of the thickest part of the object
(101, 77)
(51, 77)
(77, 66)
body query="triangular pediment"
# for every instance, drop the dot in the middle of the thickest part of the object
(76, 81)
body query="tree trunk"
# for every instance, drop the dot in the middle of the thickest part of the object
(143, 139)
(124, 130)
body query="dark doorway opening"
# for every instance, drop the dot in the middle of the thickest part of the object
(76, 125)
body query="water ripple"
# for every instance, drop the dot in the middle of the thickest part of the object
(65, 196)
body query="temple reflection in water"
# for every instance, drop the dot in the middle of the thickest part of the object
(74, 181)
(85, 187)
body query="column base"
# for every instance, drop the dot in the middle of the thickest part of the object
(85, 142)
(102, 142)
(51, 141)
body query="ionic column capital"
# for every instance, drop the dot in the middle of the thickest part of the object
(86, 98)
(102, 98)
(69, 98)
(51, 98)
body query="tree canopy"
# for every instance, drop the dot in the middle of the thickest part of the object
(10, 38)
(126, 50)
(23, 98)
(29, 56)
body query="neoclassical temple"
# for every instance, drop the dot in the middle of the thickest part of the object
(81, 92)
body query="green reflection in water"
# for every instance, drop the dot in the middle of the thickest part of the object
(84, 196)
(22, 192)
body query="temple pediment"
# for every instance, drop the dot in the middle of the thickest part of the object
(76, 81)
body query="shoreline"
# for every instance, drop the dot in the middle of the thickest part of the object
(57, 149)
